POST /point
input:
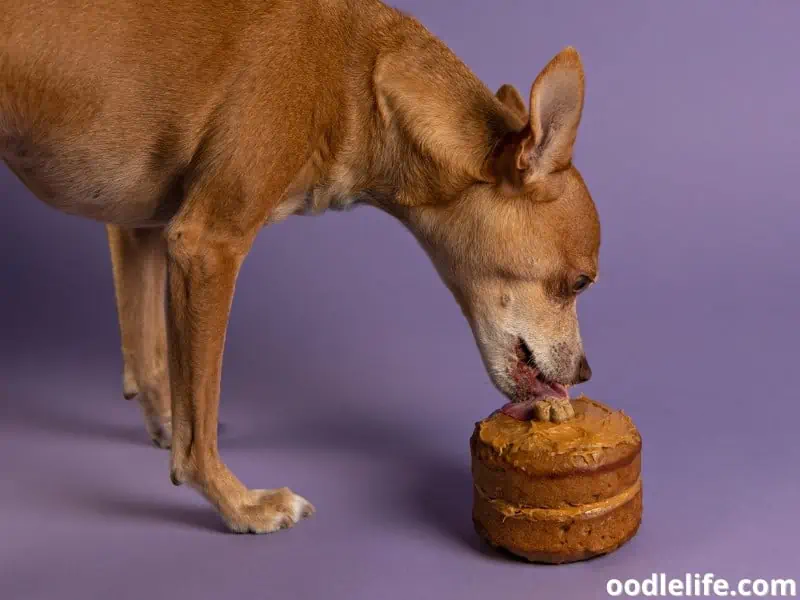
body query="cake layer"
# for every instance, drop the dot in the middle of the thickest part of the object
(517, 487)
(559, 535)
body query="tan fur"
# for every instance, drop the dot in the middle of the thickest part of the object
(139, 260)
(188, 125)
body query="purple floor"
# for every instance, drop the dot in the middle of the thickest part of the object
(87, 511)
(351, 377)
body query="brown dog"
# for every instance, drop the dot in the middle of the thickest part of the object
(188, 125)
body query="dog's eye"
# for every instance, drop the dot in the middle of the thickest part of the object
(581, 283)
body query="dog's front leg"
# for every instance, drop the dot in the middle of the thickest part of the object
(203, 263)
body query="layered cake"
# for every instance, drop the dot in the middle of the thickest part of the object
(557, 490)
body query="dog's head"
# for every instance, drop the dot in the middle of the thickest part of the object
(518, 245)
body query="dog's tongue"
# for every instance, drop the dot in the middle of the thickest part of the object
(521, 411)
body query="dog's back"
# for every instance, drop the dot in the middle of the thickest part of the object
(105, 107)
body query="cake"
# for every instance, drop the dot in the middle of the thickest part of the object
(557, 492)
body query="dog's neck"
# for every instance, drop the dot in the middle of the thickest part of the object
(419, 127)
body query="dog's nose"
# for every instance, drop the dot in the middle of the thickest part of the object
(584, 370)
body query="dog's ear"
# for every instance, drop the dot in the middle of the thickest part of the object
(556, 107)
(440, 105)
(508, 95)
(545, 145)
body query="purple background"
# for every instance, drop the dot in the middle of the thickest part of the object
(352, 377)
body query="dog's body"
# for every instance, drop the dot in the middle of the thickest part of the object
(188, 125)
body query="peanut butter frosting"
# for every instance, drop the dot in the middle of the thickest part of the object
(568, 514)
(595, 438)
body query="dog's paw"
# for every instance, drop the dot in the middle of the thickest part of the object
(556, 410)
(160, 430)
(265, 511)
(130, 389)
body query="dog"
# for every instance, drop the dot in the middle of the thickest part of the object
(187, 126)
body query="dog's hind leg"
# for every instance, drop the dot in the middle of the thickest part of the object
(138, 259)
